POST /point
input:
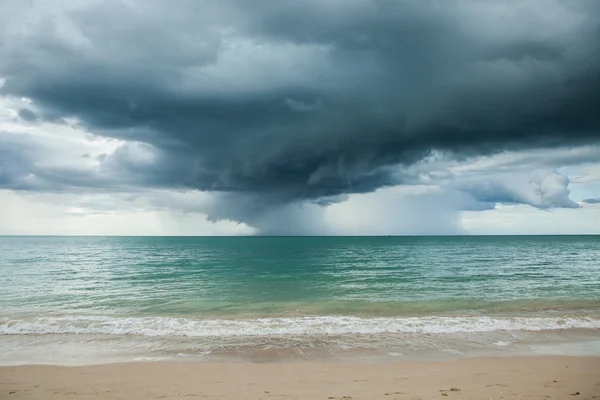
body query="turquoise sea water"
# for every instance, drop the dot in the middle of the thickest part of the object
(95, 299)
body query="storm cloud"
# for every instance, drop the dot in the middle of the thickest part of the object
(290, 101)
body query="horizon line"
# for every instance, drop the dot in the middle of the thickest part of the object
(306, 236)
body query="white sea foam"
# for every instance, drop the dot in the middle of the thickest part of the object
(317, 325)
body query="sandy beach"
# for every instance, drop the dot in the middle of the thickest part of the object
(502, 378)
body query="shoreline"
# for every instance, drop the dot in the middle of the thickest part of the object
(549, 377)
(95, 349)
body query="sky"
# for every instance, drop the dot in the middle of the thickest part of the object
(310, 117)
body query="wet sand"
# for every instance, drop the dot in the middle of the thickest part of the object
(500, 378)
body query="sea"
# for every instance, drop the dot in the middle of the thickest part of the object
(90, 300)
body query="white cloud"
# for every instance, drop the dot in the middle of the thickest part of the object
(521, 219)
(26, 214)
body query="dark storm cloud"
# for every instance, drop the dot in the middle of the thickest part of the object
(308, 99)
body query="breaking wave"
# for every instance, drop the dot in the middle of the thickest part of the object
(317, 325)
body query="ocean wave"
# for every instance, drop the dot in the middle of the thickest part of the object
(317, 325)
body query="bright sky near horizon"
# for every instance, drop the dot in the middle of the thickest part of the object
(354, 117)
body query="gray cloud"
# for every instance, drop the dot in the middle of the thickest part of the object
(540, 189)
(591, 201)
(27, 115)
(291, 101)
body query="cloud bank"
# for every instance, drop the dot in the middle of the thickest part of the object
(288, 106)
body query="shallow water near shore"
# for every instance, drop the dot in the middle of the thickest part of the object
(79, 300)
